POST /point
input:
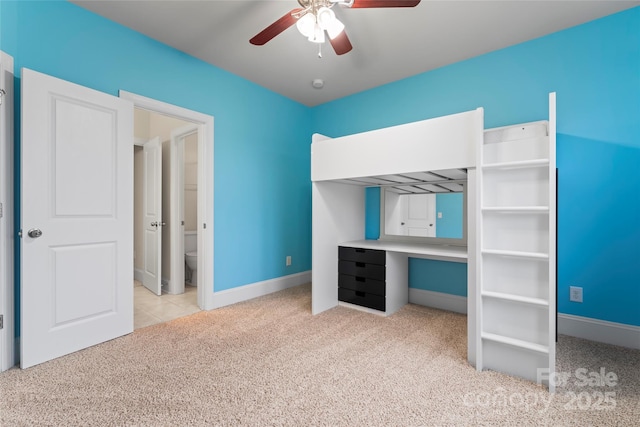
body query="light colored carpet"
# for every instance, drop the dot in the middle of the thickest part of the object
(269, 362)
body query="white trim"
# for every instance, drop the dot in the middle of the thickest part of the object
(258, 289)
(439, 300)
(599, 330)
(176, 195)
(206, 295)
(8, 349)
(138, 274)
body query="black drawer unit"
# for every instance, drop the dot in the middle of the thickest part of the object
(364, 299)
(361, 284)
(361, 269)
(361, 277)
(368, 256)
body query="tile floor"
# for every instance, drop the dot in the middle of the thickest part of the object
(150, 309)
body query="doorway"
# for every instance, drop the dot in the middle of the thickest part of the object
(106, 311)
(165, 216)
(178, 128)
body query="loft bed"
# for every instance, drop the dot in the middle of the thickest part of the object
(437, 156)
(342, 167)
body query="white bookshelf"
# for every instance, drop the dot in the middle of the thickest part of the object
(516, 235)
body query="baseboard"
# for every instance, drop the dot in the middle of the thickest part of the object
(439, 300)
(137, 274)
(258, 289)
(599, 330)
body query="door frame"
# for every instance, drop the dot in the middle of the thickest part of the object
(8, 353)
(176, 194)
(204, 122)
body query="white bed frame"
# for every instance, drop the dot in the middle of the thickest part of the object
(450, 142)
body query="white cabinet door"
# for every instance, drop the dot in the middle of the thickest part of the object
(419, 215)
(77, 218)
(152, 194)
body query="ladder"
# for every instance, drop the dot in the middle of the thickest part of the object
(516, 247)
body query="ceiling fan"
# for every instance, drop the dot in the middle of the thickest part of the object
(315, 17)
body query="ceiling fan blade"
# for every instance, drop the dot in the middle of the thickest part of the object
(341, 43)
(276, 28)
(384, 3)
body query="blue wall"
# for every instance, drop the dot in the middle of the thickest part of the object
(595, 70)
(438, 276)
(262, 156)
(452, 210)
(372, 209)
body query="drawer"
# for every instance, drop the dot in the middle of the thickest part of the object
(360, 269)
(363, 299)
(361, 284)
(368, 256)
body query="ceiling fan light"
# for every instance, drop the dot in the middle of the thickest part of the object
(306, 24)
(318, 35)
(325, 17)
(335, 28)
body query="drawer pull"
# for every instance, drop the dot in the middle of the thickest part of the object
(360, 294)
(360, 264)
(360, 250)
(361, 279)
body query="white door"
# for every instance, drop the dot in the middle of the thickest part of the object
(419, 215)
(7, 359)
(77, 218)
(152, 194)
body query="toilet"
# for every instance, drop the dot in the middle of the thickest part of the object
(192, 262)
(191, 255)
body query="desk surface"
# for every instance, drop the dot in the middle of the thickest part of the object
(414, 250)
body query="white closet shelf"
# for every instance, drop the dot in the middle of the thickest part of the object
(518, 254)
(515, 342)
(516, 209)
(517, 164)
(517, 298)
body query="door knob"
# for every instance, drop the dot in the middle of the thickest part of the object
(154, 224)
(34, 233)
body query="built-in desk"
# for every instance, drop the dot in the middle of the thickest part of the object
(414, 250)
(397, 267)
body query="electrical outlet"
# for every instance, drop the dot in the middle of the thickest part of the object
(288, 260)
(439, 215)
(575, 293)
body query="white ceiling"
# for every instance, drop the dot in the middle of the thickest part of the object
(388, 44)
